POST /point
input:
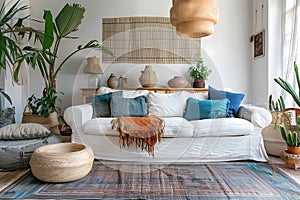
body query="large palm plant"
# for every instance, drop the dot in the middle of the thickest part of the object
(9, 46)
(44, 58)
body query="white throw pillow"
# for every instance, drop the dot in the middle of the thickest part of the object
(134, 93)
(126, 93)
(199, 96)
(23, 131)
(166, 105)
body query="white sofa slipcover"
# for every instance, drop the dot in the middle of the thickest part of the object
(209, 140)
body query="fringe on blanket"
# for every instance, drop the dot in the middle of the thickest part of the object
(144, 132)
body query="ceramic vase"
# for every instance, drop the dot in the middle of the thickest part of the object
(178, 82)
(148, 77)
(112, 81)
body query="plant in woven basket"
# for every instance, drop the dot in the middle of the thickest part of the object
(277, 105)
(46, 104)
(44, 56)
(292, 138)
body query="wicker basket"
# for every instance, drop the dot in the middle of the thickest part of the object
(50, 122)
(62, 162)
(282, 118)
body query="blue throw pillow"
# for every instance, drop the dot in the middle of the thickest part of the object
(234, 98)
(135, 107)
(101, 103)
(205, 109)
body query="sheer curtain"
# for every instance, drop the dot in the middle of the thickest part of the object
(290, 41)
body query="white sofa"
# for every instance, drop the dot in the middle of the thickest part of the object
(207, 140)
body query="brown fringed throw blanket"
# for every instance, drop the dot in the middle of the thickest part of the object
(143, 131)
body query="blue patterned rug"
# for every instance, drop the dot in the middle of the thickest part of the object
(111, 180)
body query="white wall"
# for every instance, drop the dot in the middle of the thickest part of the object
(226, 51)
(259, 70)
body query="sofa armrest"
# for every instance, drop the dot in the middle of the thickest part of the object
(75, 116)
(258, 116)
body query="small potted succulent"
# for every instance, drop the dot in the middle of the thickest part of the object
(292, 138)
(200, 73)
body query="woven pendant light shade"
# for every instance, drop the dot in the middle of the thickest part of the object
(194, 18)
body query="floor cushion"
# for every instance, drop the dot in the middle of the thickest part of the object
(174, 127)
(222, 127)
(15, 154)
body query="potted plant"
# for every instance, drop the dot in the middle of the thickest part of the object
(277, 109)
(292, 138)
(200, 73)
(44, 56)
(288, 88)
(10, 28)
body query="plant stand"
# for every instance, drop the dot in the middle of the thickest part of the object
(291, 160)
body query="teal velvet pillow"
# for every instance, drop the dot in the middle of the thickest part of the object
(101, 103)
(136, 107)
(234, 98)
(205, 109)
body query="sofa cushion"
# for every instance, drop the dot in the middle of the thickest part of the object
(174, 127)
(205, 109)
(222, 127)
(177, 127)
(166, 105)
(99, 126)
(234, 98)
(136, 107)
(101, 103)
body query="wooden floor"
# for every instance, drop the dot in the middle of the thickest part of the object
(295, 174)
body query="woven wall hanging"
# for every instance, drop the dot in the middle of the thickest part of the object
(147, 40)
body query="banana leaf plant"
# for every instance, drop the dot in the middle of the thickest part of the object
(9, 46)
(288, 88)
(44, 58)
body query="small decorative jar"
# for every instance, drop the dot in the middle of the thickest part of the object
(178, 82)
(148, 77)
(112, 81)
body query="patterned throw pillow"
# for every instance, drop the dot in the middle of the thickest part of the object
(234, 98)
(136, 107)
(205, 109)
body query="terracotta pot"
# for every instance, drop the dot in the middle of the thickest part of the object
(293, 150)
(178, 82)
(199, 83)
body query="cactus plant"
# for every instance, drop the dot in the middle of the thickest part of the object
(287, 87)
(291, 138)
(277, 105)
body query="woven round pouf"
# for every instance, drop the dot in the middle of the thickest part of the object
(62, 162)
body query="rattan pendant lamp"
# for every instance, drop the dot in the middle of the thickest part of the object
(194, 18)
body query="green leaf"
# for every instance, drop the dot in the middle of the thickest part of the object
(69, 19)
(5, 96)
(48, 35)
(283, 132)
